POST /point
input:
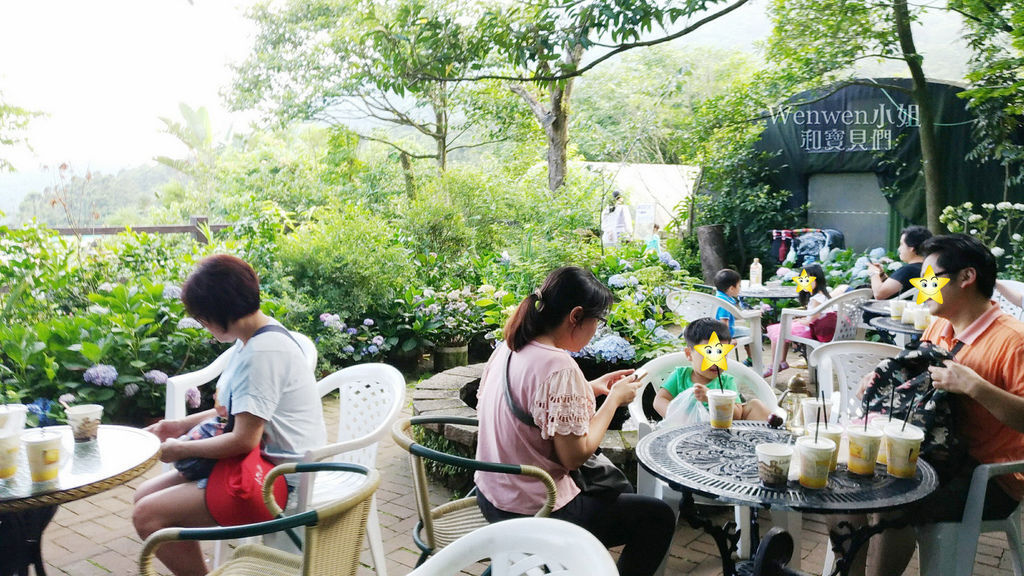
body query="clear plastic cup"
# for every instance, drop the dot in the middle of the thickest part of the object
(904, 446)
(12, 416)
(84, 420)
(43, 448)
(922, 319)
(833, 432)
(773, 462)
(815, 457)
(810, 406)
(720, 403)
(896, 308)
(10, 444)
(879, 422)
(863, 444)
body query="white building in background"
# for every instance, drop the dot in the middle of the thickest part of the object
(652, 191)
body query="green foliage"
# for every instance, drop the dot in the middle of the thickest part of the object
(346, 261)
(998, 226)
(13, 122)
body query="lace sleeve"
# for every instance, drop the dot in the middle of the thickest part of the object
(563, 404)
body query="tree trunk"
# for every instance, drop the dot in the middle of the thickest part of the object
(931, 161)
(410, 182)
(711, 241)
(441, 127)
(558, 136)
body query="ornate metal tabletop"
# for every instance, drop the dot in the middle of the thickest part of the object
(768, 292)
(722, 464)
(889, 325)
(118, 454)
(880, 307)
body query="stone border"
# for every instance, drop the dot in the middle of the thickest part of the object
(440, 395)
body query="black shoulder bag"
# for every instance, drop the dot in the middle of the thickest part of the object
(598, 476)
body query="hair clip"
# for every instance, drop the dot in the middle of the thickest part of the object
(539, 304)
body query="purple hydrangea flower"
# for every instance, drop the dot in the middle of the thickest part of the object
(378, 340)
(193, 398)
(66, 398)
(351, 331)
(131, 389)
(101, 375)
(368, 322)
(348, 349)
(372, 349)
(189, 322)
(155, 377)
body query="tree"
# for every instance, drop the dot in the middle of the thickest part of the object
(353, 61)
(995, 32)
(13, 121)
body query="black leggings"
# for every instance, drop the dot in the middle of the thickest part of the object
(644, 524)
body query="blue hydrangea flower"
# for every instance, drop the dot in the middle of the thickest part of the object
(372, 349)
(192, 397)
(664, 257)
(101, 375)
(663, 334)
(505, 259)
(625, 264)
(348, 349)
(673, 264)
(617, 281)
(131, 389)
(351, 331)
(189, 322)
(633, 281)
(171, 292)
(155, 377)
(41, 408)
(610, 348)
(877, 253)
(378, 340)
(368, 322)
(650, 324)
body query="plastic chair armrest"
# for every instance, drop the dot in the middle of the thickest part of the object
(341, 447)
(748, 314)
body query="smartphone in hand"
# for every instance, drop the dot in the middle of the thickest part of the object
(639, 375)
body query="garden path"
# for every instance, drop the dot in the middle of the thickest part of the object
(94, 536)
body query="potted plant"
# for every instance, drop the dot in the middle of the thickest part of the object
(458, 318)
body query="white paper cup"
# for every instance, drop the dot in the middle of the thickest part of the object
(10, 444)
(12, 417)
(773, 463)
(720, 403)
(815, 457)
(879, 422)
(864, 444)
(896, 308)
(43, 448)
(904, 446)
(810, 406)
(833, 432)
(84, 421)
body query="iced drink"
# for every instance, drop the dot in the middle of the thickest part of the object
(43, 448)
(720, 403)
(833, 432)
(815, 457)
(864, 443)
(773, 463)
(810, 410)
(896, 309)
(10, 443)
(12, 417)
(879, 422)
(84, 421)
(904, 446)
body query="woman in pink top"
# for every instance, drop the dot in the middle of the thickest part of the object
(545, 382)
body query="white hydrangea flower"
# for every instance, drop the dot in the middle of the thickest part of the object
(1004, 205)
(1016, 237)
(997, 251)
(974, 218)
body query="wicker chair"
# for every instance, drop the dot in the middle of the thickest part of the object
(334, 532)
(441, 525)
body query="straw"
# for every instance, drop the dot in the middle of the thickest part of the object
(864, 407)
(910, 410)
(719, 372)
(823, 407)
(817, 424)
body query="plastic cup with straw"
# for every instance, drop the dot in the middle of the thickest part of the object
(720, 403)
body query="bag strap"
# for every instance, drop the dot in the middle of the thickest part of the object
(518, 412)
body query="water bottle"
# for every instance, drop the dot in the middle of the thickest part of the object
(755, 273)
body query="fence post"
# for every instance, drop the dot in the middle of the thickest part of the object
(195, 222)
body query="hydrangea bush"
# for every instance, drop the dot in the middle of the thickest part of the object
(998, 226)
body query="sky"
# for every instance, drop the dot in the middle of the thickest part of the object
(104, 71)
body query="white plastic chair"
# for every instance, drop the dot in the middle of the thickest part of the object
(641, 410)
(1004, 304)
(524, 546)
(839, 366)
(371, 397)
(848, 319)
(949, 548)
(694, 305)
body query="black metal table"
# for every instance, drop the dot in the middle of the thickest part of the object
(879, 307)
(768, 292)
(898, 329)
(722, 465)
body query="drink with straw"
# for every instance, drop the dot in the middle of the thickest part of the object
(815, 457)
(720, 403)
(903, 443)
(864, 443)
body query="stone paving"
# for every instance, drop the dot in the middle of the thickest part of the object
(94, 536)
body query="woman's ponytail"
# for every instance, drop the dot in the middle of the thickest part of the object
(545, 308)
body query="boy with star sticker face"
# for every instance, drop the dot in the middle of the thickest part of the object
(707, 345)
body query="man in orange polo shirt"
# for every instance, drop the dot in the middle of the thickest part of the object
(987, 375)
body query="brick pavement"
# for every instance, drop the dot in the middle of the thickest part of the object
(94, 536)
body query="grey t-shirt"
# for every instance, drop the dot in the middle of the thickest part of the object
(268, 377)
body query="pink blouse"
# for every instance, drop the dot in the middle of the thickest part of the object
(547, 383)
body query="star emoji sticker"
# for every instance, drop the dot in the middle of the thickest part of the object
(929, 286)
(714, 353)
(804, 283)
